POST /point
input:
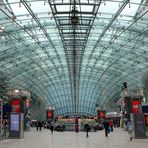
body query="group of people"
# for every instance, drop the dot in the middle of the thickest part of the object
(40, 124)
(108, 127)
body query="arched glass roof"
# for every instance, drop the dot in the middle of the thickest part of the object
(74, 53)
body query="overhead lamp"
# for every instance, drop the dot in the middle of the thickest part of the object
(2, 28)
(74, 17)
(74, 20)
(16, 90)
(13, 17)
(19, 4)
(129, 5)
(144, 99)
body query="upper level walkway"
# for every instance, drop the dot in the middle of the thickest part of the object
(44, 139)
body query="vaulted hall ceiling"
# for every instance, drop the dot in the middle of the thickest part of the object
(74, 54)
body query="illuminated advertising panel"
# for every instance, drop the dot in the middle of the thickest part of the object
(16, 105)
(102, 114)
(135, 106)
(49, 114)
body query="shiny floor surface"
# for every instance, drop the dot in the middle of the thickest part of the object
(44, 139)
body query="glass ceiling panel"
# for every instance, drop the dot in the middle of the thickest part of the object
(132, 8)
(106, 7)
(18, 10)
(62, 8)
(85, 8)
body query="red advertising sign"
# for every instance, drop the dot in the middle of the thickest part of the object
(49, 113)
(16, 105)
(102, 114)
(146, 120)
(135, 106)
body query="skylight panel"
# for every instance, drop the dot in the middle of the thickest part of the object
(109, 7)
(85, 8)
(37, 7)
(17, 10)
(131, 9)
(62, 8)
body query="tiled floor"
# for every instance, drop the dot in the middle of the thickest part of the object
(44, 139)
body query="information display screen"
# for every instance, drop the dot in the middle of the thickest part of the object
(14, 126)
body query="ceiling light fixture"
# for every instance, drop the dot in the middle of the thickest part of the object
(2, 28)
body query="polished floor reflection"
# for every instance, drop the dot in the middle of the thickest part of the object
(44, 139)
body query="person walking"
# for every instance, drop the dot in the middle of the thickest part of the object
(106, 127)
(87, 129)
(37, 126)
(40, 125)
(52, 127)
(111, 125)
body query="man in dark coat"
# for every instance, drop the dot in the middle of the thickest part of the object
(87, 129)
(106, 127)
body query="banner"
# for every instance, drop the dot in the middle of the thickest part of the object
(27, 103)
(123, 103)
